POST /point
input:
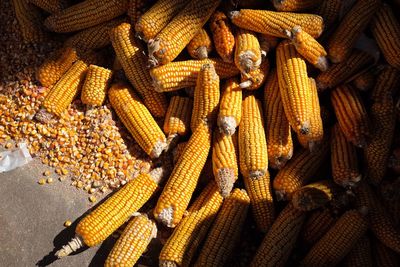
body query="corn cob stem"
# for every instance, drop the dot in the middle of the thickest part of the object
(224, 40)
(230, 107)
(256, 78)
(247, 52)
(200, 45)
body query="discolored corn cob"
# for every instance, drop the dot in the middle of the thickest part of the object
(230, 107)
(384, 256)
(256, 78)
(177, 152)
(182, 74)
(170, 206)
(344, 161)
(277, 128)
(225, 232)
(133, 242)
(387, 84)
(267, 43)
(253, 156)
(260, 193)
(338, 241)
(30, 21)
(275, 23)
(294, 87)
(200, 46)
(295, 5)
(85, 14)
(279, 242)
(222, 32)
(361, 254)
(157, 17)
(187, 237)
(56, 65)
(136, 8)
(50, 6)
(224, 161)
(247, 51)
(351, 114)
(133, 61)
(330, 11)
(365, 80)
(339, 73)
(353, 24)
(137, 119)
(206, 97)
(171, 40)
(316, 226)
(386, 30)
(111, 214)
(308, 47)
(97, 81)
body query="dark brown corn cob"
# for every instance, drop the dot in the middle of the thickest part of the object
(317, 224)
(361, 254)
(384, 256)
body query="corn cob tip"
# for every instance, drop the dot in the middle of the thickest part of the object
(280, 195)
(153, 46)
(257, 173)
(157, 174)
(246, 61)
(72, 246)
(227, 125)
(352, 182)
(233, 14)
(321, 85)
(166, 217)
(211, 67)
(202, 52)
(322, 63)
(363, 210)
(43, 116)
(305, 128)
(245, 84)
(172, 140)
(159, 147)
(164, 263)
(225, 181)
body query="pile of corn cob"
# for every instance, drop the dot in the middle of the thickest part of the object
(300, 91)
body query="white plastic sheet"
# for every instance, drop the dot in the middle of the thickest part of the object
(10, 160)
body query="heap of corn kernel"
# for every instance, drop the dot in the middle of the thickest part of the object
(299, 104)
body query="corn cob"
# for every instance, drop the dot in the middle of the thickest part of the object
(394, 161)
(171, 40)
(225, 232)
(206, 98)
(136, 8)
(316, 226)
(330, 11)
(279, 137)
(360, 255)
(338, 241)
(133, 242)
(351, 114)
(295, 5)
(278, 243)
(294, 87)
(187, 237)
(133, 61)
(184, 73)
(387, 84)
(308, 47)
(224, 161)
(252, 143)
(353, 24)
(222, 32)
(170, 206)
(260, 193)
(230, 107)
(298, 171)
(111, 214)
(85, 14)
(94, 90)
(55, 66)
(50, 6)
(30, 21)
(247, 51)
(275, 23)
(384, 256)
(386, 30)
(365, 80)
(177, 152)
(137, 119)
(157, 17)
(339, 73)
(200, 46)
(256, 78)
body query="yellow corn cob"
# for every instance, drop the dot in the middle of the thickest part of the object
(94, 90)
(360, 255)
(339, 73)
(256, 78)
(187, 237)
(295, 5)
(200, 46)
(279, 242)
(260, 193)
(299, 170)
(225, 232)
(384, 256)
(387, 84)
(133, 242)
(353, 24)
(55, 67)
(252, 143)
(158, 17)
(351, 114)
(179, 189)
(279, 137)
(50, 6)
(338, 241)
(30, 21)
(275, 23)
(230, 107)
(136, 8)
(137, 119)
(294, 87)
(171, 40)
(267, 43)
(206, 97)
(224, 161)
(133, 61)
(247, 51)
(181, 74)
(365, 80)
(222, 32)
(85, 14)
(317, 224)
(309, 48)
(111, 214)
(330, 11)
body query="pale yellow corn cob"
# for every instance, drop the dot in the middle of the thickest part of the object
(247, 51)
(224, 40)
(295, 5)
(255, 78)
(97, 81)
(200, 46)
(50, 6)
(30, 21)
